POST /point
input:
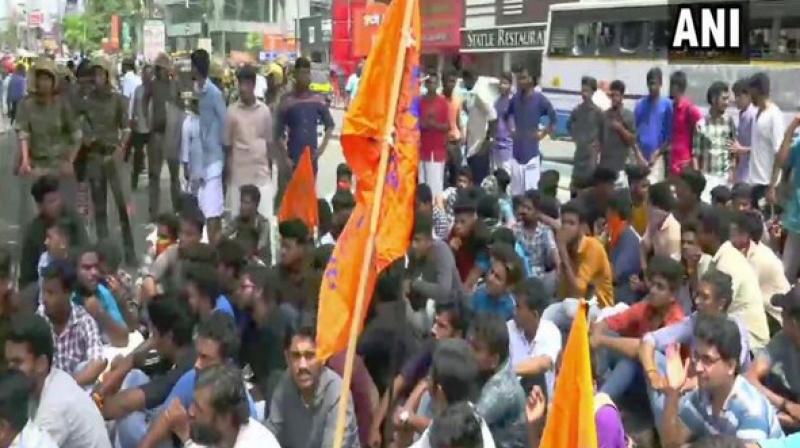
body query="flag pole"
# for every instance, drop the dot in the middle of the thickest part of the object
(369, 253)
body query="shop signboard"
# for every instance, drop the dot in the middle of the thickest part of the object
(528, 37)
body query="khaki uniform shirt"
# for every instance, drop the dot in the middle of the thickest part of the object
(51, 130)
(106, 118)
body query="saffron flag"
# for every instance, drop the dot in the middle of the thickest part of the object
(363, 134)
(570, 421)
(300, 199)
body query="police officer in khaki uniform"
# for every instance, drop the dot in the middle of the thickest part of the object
(48, 133)
(163, 92)
(106, 131)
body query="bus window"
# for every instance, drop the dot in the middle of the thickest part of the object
(789, 39)
(583, 39)
(762, 39)
(659, 37)
(631, 37)
(607, 38)
(560, 41)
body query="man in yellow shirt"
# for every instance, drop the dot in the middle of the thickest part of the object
(584, 272)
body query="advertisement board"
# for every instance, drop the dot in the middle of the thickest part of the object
(155, 38)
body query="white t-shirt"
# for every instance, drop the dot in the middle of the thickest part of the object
(261, 86)
(767, 138)
(32, 436)
(130, 81)
(68, 414)
(479, 113)
(547, 342)
(251, 435)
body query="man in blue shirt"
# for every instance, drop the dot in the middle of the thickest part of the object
(205, 292)
(299, 114)
(528, 107)
(724, 402)
(17, 86)
(211, 108)
(653, 117)
(624, 247)
(494, 296)
(216, 343)
(99, 300)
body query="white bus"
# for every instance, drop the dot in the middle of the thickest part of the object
(623, 39)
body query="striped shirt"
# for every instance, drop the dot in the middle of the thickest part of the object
(79, 342)
(712, 141)
(746, 414)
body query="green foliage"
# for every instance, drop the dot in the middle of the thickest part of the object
(254, 42)
(86, 31)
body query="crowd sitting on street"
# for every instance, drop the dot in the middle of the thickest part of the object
(679, 233)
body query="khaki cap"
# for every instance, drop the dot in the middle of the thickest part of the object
(163, 60)
(103, 63)
(45, 64)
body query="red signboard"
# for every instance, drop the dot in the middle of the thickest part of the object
(116, 26)
(367, 20)
(35, 19)
(441, 24)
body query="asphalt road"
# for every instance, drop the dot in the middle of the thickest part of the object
(11, 191)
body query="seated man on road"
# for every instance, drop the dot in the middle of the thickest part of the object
(307, 380)
(534, 342)
(621, 333)
(165, 274)
(714, 295)
(724, 402)
(502, 400)
(61, 407)
(505, 271)
(216, 343)
(78, 346)
(16, 429)
(98, 300)
(127, 395)
(219, 414)
(776, 370)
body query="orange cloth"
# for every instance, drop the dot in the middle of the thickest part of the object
(616, 225)
(300, 199)
(570, 420)
(362, 135)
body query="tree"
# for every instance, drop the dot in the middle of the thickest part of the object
(83, 32)
(254, 42)
(86, 31)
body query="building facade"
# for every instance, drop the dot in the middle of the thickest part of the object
(503, 35)
(229, 23)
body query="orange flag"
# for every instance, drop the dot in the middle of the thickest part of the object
(363, 134)
(300, 199)
(570, 421)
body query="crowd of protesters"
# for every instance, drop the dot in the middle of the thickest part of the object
(681, 232)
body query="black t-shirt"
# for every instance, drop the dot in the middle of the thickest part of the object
(159, 387)
(262, 349)
(386, 344)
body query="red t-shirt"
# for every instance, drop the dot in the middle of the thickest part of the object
(432, 142)
(685, 117)
(637, 320)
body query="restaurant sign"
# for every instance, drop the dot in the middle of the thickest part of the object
(529, 37)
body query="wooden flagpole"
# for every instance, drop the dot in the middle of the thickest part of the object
(369, 253)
